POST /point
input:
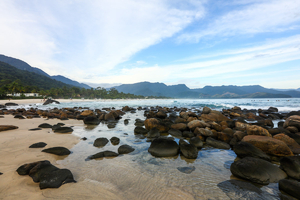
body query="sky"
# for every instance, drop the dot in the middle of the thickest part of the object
(193, 42)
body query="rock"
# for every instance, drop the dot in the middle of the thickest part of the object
(11, 104)
(175, 133)
(241, 126)
(290, 187)
(154, 123)
(100, 142)
(197, 142)
(126, 109)
(186, 170)
(45, 125)
(102, 154)
(60, 151)
(19, 117)
(239, 135)
(153, 133)
(269, 145)
(224, 137)
(84, 138)
(291, 165)
(139, 123)
(87, 113)
(290, 142)
(293, 120)
(206, 110)
(126, 121)
(245, 149)
(257, 170)
(111, 125)
(63, 129)
(48, 101)
(214, 116)
(140, 130)
(217, 144)
(296, 137)
(273, 109)
(109, 117)
(162, 147)
(114, 140)
(125, 149)
(48, 175)
(204, 132)
(34, 129)
(91, 120)
(38, 145)
(292, 129)
(180, 126)
(196, 123)
(188, 134)
(189, 151)
(161, 115)
(257, 130)
(7, 127)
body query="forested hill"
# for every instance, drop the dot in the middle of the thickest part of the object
(19, 64)
(9, 73)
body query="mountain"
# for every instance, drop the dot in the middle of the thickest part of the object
(70, 82)
(27, 78)
(19, 64)
(182, 91)
(298, 89)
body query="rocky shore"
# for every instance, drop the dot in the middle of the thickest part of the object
(265, 154)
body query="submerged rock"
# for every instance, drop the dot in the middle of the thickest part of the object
(125, 149)
(114, 140)
(100, 142)
(189, 151)
(217, 144)
(245, 149)
(90, 120)
(186, 170)
(103, 154)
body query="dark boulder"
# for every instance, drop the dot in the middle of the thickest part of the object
(140, 130)
(63, 129)
(257, 170)
(291, 165)
(38, 145)
(115, 140)
(175, 132)
(153, 133)
(126, 121)
(48, 101)
(245, 149)
(162, 147)
(103, 154)
(11, 104)
(188, 134)
(197, 142)
(47, 174)
(91, 120)
(217, 144)
(18, 116)
(7, 127)
(100, 142)
(186, 170)
(290, 187)
(125, 149)
(189, 151)
(60, 151)
(45, 125)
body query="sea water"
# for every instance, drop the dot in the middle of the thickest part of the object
(139, 175)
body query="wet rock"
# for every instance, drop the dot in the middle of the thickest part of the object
(269, 145)
(197, 142)
(290, 142)
(291, 165)
(115, 140)
(126, 121)
(186, 170)
(154, 123)
(204, 132)
(34, 129)
(217, 144)
(189, 151)
(11, 104)
(188, 134)
(60, 151)
(38, 145)
(125, 149)
(239, 135)
(175, 133)
(109, 117)
(292, 129)
(245, 149)
(91, 120)
(257, 170)
(257, 130)
(63, 129)
(84, 138)
(153, 133)
(100, 142)
(290, 187)
(224, 137)
(86, 113)
(196, 123)
(206, 110)
(161, 114)
(19, 117)
(111, 125)
(293, 120)
(162, 147)
(7, 127)
(45, 125)
(46, 174)
(140, 130)
(180, 126)
(48, 101)
(102, 154)
(214, 116)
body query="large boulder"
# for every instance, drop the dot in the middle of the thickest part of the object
(7, 127)
(179, 126)
(100, 142)
(291, 165)
(91, 120)
(217, 144)
(162, 147)
(155, 123)
(189, 150)
(293, 120)
(257, 130)
(46, 174)
(196, 123)
(257, 170)
(87, 113)
(60, 151)
(204, 132)
(140, 130)
(153, 133)
(215, 116)
(290, 187)
(290, 142)
(125, 149)
(175, 133)
(245, 149)
(197, 142)
(206, 110)
(269, 145)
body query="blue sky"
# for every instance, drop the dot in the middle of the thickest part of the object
(192, 42)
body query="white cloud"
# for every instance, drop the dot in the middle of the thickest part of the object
(255, 17)
(78, 38)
